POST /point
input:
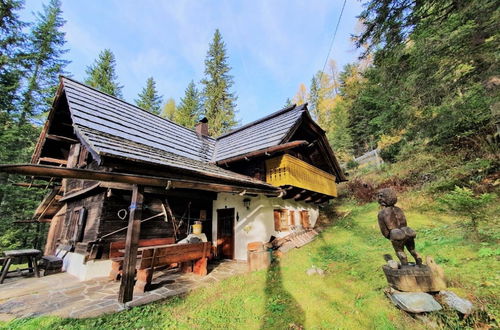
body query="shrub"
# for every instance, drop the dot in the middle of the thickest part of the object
(352, 164)
(362, 191)
(462, 201)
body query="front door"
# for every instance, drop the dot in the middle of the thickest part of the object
(225, 233)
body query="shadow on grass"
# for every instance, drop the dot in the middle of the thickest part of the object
(280, 306)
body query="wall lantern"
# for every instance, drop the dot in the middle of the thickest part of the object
(246, 203)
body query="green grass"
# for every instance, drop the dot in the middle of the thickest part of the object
(349, 296)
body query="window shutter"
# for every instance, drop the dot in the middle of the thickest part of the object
(304, 218)
(277, 226)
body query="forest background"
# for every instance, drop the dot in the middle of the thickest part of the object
(426, 88)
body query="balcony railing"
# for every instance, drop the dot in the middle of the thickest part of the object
(288, 170)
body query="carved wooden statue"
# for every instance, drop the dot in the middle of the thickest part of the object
(392, 223)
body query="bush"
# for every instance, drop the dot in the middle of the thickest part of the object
(463, 202)
(352, 164)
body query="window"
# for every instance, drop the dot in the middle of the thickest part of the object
(75, 225)
(281, 218)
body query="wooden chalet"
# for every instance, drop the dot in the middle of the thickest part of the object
(122, 174)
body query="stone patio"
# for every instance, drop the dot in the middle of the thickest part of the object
(64, 295)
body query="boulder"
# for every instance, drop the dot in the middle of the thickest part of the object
(453, 301)
(414, 302)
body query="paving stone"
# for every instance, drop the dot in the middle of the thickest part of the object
(64, 295)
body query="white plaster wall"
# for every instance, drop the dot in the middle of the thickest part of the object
(73, 263)
(257, 223)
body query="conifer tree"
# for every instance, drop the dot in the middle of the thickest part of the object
(314, 97)
(11, 42)
(190, 107)
(102, 74)
(46, 42)
(169, 109)
(288, 102)
(220, 102)
(149, 99)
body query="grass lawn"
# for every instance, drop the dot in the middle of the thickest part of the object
(349, 296)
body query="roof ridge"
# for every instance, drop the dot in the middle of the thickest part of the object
(272, 115)
(133, 105)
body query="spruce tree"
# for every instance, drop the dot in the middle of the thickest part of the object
(190, 107)
(102, 74)
(46, 42)
(220, 102)
(11, 55)
(314, 98)
(149, 99)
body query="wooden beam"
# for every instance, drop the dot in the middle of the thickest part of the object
(262, 152)
(303, 195)
(299, 194)
(126, 292)
(311, 197)
(30, 185)
(53, 160)
(61, 138)
(78, 173)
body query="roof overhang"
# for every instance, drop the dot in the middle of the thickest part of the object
(49, 171)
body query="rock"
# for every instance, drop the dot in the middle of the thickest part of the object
(414, 302)
(311, 271)
(314, 270)
(453, 301)
(393, 264)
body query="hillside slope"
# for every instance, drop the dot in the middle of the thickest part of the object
(350, 295)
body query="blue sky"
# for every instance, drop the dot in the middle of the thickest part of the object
(273, 46)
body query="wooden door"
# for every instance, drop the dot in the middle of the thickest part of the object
(225, 233)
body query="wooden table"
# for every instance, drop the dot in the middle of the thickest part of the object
(31, 254)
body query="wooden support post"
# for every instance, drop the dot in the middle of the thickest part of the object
(131, 243)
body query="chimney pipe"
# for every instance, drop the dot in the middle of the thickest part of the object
(202, 127)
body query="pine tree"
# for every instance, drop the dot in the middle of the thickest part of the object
(314, 97)
(44, 62)
(288, 102)
(102, 75)
(190, 107)
(220, 102)
(149, 99)
(169, 109)
(11, 43)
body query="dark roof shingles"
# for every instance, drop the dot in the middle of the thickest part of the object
(266, 132)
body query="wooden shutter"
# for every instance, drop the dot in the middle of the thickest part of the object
(277, 222)
(304, 218)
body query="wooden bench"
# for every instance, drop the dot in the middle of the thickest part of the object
(116, 253)
(166, 255)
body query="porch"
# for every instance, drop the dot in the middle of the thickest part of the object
(66, 296)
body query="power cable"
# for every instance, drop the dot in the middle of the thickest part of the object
(333, 39)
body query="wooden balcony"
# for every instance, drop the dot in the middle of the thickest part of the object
(287, 170)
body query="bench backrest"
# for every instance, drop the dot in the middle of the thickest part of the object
(175, 253)
(114, 247)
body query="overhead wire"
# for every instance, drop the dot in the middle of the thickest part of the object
(331, 43)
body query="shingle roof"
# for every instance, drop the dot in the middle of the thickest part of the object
(112, 127)
(115, 128)
(265, 132)
(101, 112)
(110, 145)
